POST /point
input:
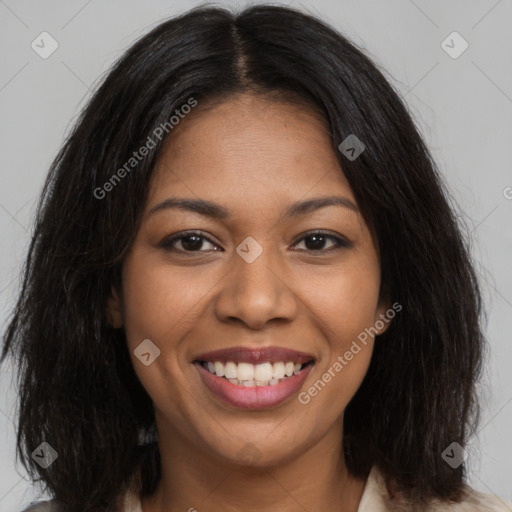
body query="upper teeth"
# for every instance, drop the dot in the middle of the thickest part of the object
(258, 372)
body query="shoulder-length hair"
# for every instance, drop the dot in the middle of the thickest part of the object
(78, 389)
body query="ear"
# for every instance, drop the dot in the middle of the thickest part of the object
(384, 315)
(114, 309)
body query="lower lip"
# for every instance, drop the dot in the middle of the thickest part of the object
(253, 397)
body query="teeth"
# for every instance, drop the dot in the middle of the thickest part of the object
(252, 383)
(247, 374)
(219, 369)
(245, 371)
(262, 371)
(278, 370)
(230, 370)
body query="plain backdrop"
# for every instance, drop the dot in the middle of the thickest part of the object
(461, 103)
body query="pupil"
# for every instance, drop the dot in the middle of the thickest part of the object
(195, 245)
(318, 241)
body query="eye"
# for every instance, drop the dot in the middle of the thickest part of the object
(317, 240)
(191, 241)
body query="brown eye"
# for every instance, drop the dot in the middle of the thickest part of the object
(316, 241)
(191, 241)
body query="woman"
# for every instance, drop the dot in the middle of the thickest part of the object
(246, 288)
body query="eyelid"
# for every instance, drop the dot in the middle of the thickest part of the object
(167, 242)
(340, 240)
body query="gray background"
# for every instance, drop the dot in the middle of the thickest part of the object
(462, 105)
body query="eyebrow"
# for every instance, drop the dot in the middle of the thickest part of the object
(216, 211)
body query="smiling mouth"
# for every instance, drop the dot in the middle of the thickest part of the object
(254, 386)
(250, 375)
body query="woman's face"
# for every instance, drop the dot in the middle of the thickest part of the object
(259, 278)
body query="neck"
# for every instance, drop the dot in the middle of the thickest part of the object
(202, 481)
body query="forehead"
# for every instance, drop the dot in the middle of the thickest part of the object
(249, 146)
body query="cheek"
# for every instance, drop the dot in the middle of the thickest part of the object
(344, 308)
(159, 301)
(158, 305)
(345, 301)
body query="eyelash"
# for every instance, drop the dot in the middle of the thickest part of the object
(167, 244)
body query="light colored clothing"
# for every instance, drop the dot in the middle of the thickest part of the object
(375, 499)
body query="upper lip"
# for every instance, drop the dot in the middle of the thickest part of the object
(256, 355)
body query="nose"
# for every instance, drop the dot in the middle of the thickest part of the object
(257, 293)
